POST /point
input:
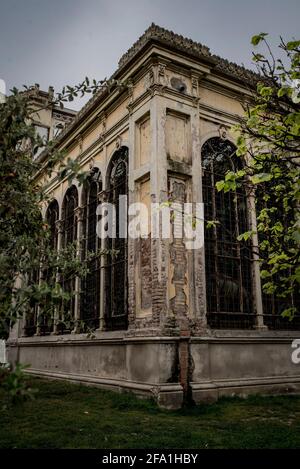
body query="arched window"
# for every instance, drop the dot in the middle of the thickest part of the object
(90, 284)
(227, 261)
(31, 317)
(70, 203)
(116, 267)
(52, 215)
(46, 319)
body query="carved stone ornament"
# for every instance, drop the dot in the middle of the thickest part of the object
(195, 85)
(79, 213)
(157, 75)
(59, 226)
(80, 143)
(166, 37)
(151, 77)
(195, 89)
(161, 74)
(62, 117)
(130, 88)
(118, 142)
(102, 127)
(103, 196)
(223, 132)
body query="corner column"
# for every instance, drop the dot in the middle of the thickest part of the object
(159, 195)
(198, 294)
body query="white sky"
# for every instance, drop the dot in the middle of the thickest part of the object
(58, 42)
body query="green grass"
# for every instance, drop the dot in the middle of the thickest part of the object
(65, 415)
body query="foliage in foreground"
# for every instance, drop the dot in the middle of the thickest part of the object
(269, 143)
(24, 236)
(15, 384)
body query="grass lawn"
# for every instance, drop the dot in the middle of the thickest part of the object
(65, 415)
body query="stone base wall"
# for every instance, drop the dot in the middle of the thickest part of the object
(144, 366)
(150, 366)
(242, 365)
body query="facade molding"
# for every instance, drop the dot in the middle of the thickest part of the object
(179, 96)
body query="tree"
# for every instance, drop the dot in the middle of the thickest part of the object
(24, 236)
(269, 143)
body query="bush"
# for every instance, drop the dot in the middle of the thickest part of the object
(15, 383)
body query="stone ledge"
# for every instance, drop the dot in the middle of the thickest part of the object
(167, 395)
(81, 339)
(261, 337)
(122, 338)
(212, 390)
(253, 333)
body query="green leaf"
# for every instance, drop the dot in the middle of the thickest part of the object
(293, 45)
(255, 40)
(296, 235)
(289, 313)
(261, 177)
(297, 274)
(212, 223)
(266, 91)
(258, 57)
(283, 91)
(245, 236)
(265, 274)
(220, 185)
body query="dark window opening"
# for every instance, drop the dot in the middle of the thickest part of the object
(46, 319)
(116, 310)
(70, 204)
(90, 284)
(227, 261)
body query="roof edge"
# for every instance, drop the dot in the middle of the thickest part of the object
(165, 36)
(176, 41)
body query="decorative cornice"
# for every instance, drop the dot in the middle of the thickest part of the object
(168, 38)
(174, 41)
(190, 47)
(236, 71)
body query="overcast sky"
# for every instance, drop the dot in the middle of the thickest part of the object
(58, 42)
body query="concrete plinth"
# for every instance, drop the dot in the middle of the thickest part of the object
(149, 366)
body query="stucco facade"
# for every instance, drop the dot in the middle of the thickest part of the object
(48, 120)
(178, 97)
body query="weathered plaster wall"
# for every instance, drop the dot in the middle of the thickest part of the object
(173, 106)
